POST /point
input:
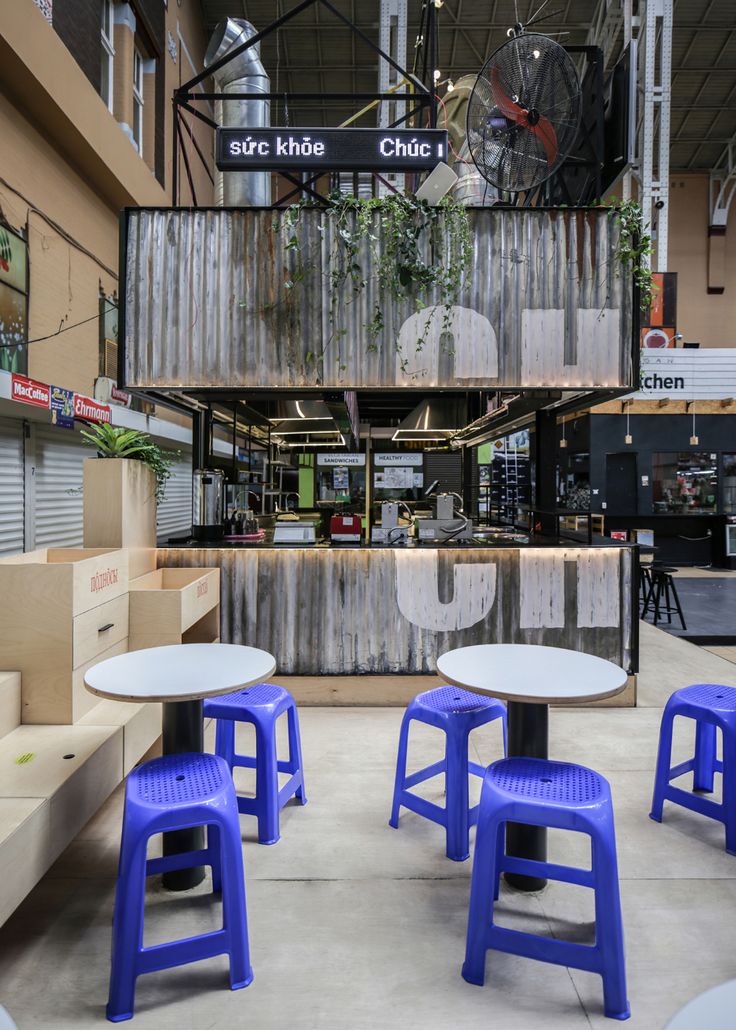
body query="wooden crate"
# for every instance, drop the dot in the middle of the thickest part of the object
(63, 607)
(174, 606)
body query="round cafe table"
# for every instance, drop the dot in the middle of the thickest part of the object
(180, 675)
(530, 677)
(712, 1010)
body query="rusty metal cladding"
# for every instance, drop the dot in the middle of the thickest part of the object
(332, 611)
(214, 298)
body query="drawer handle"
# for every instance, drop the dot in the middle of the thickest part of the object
(109, 625)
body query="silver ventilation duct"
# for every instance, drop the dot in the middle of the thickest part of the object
(471, 189)
(435, 418)
(244, 74)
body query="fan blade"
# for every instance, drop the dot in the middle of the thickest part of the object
(544, 131)
(505, 104)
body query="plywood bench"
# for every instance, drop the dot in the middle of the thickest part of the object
(54, 778)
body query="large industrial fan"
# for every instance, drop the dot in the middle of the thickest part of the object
(524, 112)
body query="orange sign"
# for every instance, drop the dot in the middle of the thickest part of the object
(657, 337)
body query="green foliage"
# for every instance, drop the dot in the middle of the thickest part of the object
(397, 246)
(119, 442)
(634, 247)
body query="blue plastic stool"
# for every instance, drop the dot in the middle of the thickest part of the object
(173, 793)
(568, 797)
(456, 712)
(261, 705)
(711, 706)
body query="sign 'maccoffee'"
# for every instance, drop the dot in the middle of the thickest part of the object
(30, 391)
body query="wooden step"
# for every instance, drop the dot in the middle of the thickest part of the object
(25, 839)
(9, 701)
(66, 772)
(141, 726)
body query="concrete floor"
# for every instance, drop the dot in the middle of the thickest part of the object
(355, 926)
(709, 607)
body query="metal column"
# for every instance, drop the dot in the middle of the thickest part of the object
(653, 150)
(392, 40)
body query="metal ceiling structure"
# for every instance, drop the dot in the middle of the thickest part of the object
(315, 53)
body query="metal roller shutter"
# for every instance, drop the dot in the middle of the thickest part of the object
(447, 467)
(175, 511)
(58, 487)
(12, 497)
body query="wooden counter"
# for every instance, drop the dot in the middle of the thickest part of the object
(332, 611)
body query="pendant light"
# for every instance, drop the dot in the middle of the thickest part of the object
(628, 438)
(563, 441)
(694, 441)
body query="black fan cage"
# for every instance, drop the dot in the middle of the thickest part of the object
(524, 112)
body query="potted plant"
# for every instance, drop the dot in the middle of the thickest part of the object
(121, 491)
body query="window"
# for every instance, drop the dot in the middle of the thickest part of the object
(109, 336)
(685, 484)
(108, 53)
(729, 484)
(138, 100)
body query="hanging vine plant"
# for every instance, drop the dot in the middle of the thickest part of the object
(399, 248)
(634, 247)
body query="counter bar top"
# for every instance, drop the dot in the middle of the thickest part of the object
(532, 543)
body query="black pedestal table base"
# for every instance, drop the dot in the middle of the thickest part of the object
(183, 732)
(527, 738)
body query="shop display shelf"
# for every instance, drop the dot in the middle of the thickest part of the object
(65, 607)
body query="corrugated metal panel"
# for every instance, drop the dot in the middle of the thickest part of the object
(347, 612)
(12, 498)
(60, 454)
(545, 304)
(174, 516)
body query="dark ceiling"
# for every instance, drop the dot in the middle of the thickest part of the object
(315, 53)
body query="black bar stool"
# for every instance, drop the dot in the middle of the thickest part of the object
(662, 596)
(645, 585)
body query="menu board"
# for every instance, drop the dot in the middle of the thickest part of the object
(394, 478)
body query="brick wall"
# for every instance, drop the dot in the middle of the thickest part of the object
(77, 22)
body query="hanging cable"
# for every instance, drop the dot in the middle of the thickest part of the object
(59, 228)
(59, 331)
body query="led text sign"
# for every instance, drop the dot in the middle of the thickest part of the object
(346, 149)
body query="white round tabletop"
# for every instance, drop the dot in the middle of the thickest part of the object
(713, 1010)
(179, 672)
(531, 672)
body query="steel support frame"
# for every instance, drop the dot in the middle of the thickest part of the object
(648, 24)
(723, 186)
(420, 95)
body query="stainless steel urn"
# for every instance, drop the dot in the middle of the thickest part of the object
(208, 504)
